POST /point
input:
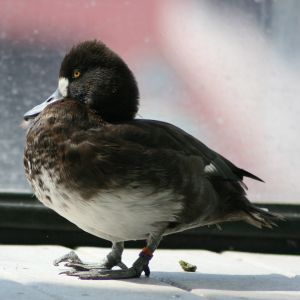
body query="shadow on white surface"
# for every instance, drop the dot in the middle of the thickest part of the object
(143, 288)
(162, 285)
(192, 281)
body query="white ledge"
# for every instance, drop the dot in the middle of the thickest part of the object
(26, 272)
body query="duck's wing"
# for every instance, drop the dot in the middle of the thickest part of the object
(143, 150)
(160, 134)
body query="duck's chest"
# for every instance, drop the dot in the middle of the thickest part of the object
(47, 138)
(42, 154)
(112, 214)
(43, 172)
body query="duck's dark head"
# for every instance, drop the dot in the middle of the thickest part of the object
(96, 76)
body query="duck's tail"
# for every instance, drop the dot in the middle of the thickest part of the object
(260, 217)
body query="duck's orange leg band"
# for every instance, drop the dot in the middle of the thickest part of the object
(146, 252)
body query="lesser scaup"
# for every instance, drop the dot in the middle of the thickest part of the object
(120, 178)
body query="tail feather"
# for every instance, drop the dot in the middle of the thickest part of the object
(245, 173)
(260, 218)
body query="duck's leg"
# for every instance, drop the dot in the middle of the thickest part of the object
(138, 267)
(114, 258)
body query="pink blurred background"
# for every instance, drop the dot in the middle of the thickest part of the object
(225, 71)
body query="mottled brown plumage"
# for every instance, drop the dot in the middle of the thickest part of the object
(122, 178)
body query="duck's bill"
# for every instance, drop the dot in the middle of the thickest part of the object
(56, 96)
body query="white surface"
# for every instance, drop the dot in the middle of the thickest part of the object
(26, 272)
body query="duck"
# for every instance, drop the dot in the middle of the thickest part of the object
(118, 177)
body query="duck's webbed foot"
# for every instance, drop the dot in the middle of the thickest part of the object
(70, 257)
(139, 266)
(111, 260)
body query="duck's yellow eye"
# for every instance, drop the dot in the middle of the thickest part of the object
(76, 74)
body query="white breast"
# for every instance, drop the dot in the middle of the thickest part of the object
(116, 215)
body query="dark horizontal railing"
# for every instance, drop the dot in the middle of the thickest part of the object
(24, 220)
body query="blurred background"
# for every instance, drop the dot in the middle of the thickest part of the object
(226, 71)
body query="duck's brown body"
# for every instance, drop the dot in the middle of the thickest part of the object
(122, 181)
